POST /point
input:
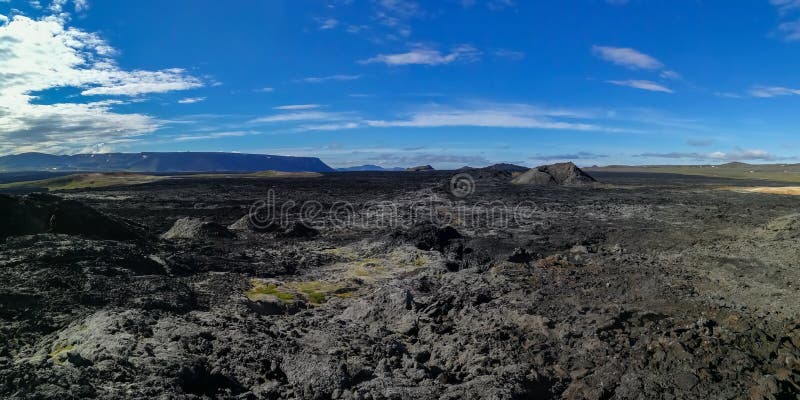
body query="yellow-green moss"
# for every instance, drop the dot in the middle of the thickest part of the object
(419, 261)
(315, 291)
(56, 353)
(260, 288)
(369, 262)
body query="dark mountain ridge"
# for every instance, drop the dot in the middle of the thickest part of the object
(161, 162)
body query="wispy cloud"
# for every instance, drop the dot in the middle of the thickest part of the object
(298, 107)
(773, 91)
(301, 116)
(321, 79)
(643, 85)
(733, 155)
(668, 74)
(265, 90)
(627, 57)
(207, 136)
(786, 6)
(328, 23)
(426, 158)
(333, 126)
(499, 4)
(404, 8)
(699, 142)
(509, 54)
(422, 55)
(494, 115)
(789, 30)
(478, 118)
(581, 155)
(191, 100)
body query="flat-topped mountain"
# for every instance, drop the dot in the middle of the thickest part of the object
(161, 162)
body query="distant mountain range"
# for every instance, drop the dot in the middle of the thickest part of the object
(161, 162)
(368, 167)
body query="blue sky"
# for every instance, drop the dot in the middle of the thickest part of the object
(404, 82)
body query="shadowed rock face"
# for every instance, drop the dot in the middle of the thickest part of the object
(564, 174)
(42, 213)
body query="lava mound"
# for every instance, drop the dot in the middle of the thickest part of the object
(561, 174)
(250, 223)
(194, 228)
(44, 213)
(497, 172)
(420, 168)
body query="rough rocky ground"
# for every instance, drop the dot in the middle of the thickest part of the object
(644, 287)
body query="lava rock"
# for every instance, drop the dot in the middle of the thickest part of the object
(562, 174)
(428, 236)
(247, 223)
(193, 228)
(299, 230)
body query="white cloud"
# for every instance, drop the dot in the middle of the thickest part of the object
(405, 8)
(298, 107)
(642, 84)
(328, 23)
(191, 100)
(123, 83)
(216, 135)
(773, 91)
(790, 30)
(668, 74)
(265, 90)
(300, 116)
(493, 115)
(41, 54)
(331, 126)
(81, 5)
(733, 155)
(321, 79)
(422, 55)
(785, 6)
(728, 95)
(627, 57)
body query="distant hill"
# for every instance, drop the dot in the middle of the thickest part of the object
(732, 170)
(368, 167)
(161, 162)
